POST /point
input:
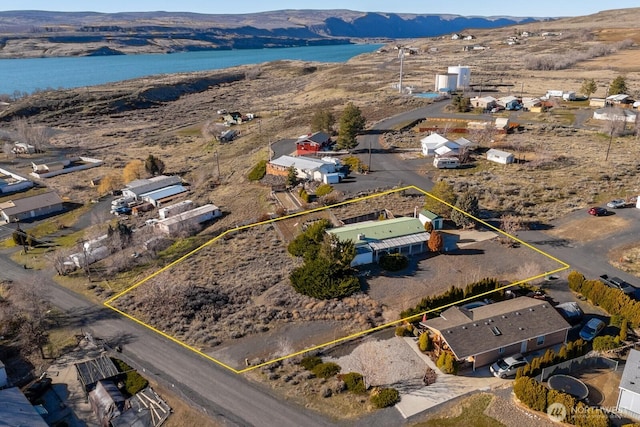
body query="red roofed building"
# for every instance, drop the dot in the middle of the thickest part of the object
(312, 143)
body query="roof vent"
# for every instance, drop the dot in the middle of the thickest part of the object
(449, 331)
(544, 305)
(517, 313)
(531, 309)
(464, 327)
(475, 324)
(521, 328)
(504, 317)
(496, 331)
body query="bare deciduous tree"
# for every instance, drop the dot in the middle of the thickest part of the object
(31, 310)
(38, 136)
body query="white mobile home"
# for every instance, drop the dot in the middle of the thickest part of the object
(172, 210)
(500, 156)
(187, 220)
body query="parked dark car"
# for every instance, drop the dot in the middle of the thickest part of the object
(618, 283)
(598, 211)
(571, 312)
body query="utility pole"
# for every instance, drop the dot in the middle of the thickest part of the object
(217, 163)
(401, 56)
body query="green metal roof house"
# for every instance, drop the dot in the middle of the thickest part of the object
(376, 238)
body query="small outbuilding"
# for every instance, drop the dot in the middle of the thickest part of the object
(500, 156)
(426, 216)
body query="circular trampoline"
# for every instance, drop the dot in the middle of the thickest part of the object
(569, 385)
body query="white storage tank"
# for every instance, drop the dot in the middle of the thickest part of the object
(463, 79)
(446, 82)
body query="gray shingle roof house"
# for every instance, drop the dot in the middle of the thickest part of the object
(629, 397)
(16, 410)
(484, 334)
(31, 207)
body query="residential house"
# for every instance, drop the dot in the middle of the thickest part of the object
(620, 99)
(485, 102)
(173, 210)
(484, 334)
(500, 156)
(431, 142)
(312, 143)
(615, 114)
(456, 36)
(31, 207)
(629, 393)
(373, 239)
(426, 216)
(138, 187)
(597, 102)
(308, 168)
(464, 143)
(505, 100)
(189, 220)
(448, 149)
(529, 103)
(16, 410)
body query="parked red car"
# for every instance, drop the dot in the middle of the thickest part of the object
(598, 211)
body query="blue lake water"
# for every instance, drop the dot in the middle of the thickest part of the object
(27, 75)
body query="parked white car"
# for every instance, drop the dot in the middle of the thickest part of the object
(617, 204)
(508, 366)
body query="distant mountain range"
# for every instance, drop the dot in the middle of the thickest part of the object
(137, 32)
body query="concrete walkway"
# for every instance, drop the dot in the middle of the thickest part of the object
(446, 387)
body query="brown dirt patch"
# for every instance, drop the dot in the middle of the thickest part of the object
(626, 258)
(590, 228)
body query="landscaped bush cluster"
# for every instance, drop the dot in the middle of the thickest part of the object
(447, 363)
(355, 164)
(538, 397)
(310, 362)
(606, 343)
(326, 369)
(394, 262)
(323, 190)
(424, 342)
(568, 351)
(611, 300)
(354, 382)
(304, 196)
(133, 381)
(258, 172)
(452, 296)
(385, 397)
(404, 330)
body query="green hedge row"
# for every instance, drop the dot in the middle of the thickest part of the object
(539, 398)
(568, 351)
(452, 296)
(610, 299)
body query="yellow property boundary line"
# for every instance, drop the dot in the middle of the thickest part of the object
(108, 303)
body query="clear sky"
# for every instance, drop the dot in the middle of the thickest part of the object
(542, 8)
